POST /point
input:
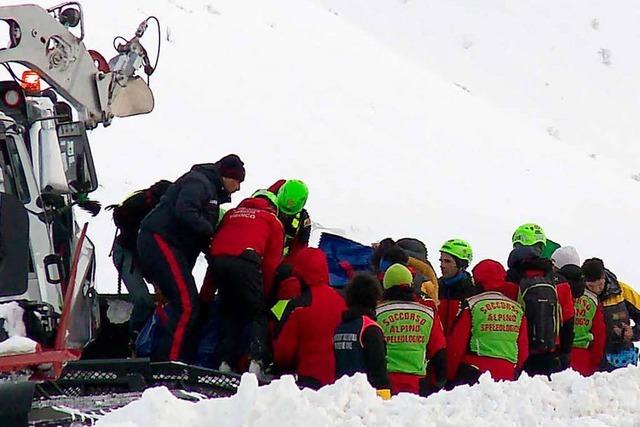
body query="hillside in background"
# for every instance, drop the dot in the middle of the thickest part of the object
(387, 137)
(570, 69)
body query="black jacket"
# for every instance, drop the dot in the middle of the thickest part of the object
(619, 309)
(187, 214)
(359, 348)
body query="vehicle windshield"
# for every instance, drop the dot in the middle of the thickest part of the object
(13, 179)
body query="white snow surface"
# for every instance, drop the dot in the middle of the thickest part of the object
(119, 311)
(12, 314)
(13, 324)
(568, 69)
(17, 345)
(567, 400)
(389, 145)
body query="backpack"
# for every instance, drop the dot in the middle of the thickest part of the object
(539, 298)
(128, 215)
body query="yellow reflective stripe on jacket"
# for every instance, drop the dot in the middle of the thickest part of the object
(279, 307)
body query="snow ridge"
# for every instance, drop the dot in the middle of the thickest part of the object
(569, 399)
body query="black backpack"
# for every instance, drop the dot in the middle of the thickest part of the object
(539, 298)
(128, 215)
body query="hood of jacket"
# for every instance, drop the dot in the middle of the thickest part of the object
(573, 275)
(525, 262)
(311, 267)
(275, 187)
(413, 247)
(611, 285)
(490, 275)
(257, 203)
(212, 172)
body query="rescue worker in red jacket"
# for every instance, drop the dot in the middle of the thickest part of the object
(588, 325)
(546, 299)
(292, 195)
(490, 334)
(456, 283)
(286, 287)
(243, 258)
(358, 341)
(413, 333)
(425, 285)
(305, 343)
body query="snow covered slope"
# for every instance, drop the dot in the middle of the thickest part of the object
(570, 69)
(389, 146)
(568, 400)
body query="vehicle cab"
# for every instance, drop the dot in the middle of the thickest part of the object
(45, 169)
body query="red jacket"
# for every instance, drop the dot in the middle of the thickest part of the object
(305, 343)
(252, 225)
(586, 361)
(450, 295)
(275, 187)
(435, 350)
(490, 276)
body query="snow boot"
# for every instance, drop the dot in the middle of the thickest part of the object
(225, 368)
(255, 367)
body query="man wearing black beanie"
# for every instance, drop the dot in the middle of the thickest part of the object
(621, 305)
(171, 237)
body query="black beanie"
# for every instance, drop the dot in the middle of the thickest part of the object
(232, 167)
(593, 269)
(395, 255)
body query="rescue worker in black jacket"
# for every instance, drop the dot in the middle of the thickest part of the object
(171, 237)
(358, 342)
(621, 305)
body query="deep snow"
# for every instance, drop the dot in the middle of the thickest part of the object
(567, 400)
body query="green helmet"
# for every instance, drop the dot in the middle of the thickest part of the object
(267, 195)
(292, 196)
(529, 235)
(397, 275)
(458, 248)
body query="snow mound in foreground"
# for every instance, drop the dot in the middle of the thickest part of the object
(603, 399)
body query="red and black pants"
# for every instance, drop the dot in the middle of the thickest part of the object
(169, 269)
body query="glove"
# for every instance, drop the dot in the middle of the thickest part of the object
(80, 197)
(284, 271)
(384, 393)
(91, 206)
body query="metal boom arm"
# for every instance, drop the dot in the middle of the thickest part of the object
(39, 41)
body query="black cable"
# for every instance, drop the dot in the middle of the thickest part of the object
(159, 42)
(118, 38)
(13, 75)
(19, 80)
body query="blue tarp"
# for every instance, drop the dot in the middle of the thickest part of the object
(337, 249)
